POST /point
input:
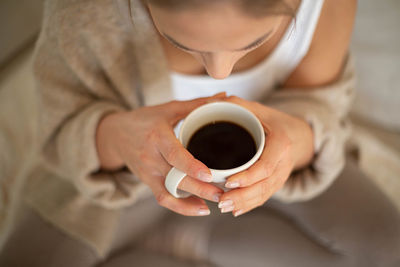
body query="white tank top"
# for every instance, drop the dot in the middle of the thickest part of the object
(256, 83)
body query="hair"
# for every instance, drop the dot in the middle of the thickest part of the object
(256, 8)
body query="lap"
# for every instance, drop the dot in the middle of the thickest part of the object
(351, 222)
(34, 242)
(352, 212)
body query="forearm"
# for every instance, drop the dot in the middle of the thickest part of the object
(303, 144)
(106, 133)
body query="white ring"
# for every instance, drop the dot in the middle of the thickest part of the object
(172, 181)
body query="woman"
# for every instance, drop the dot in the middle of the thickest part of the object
(108, 73)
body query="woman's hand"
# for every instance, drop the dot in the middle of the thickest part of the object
(288, 146)
(144, 141)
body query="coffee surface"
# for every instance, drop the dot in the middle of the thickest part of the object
(222, 145)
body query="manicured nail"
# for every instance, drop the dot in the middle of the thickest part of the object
(227, 209)
(225, 203)
(237, 213)
(232, 184)
(217, 196)
(205, 177)
(220, 94)
(203, 211)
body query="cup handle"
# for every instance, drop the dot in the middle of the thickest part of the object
(172, 181)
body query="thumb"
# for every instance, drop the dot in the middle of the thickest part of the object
(180, 109)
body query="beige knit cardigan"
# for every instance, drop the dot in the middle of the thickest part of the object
(95, 57)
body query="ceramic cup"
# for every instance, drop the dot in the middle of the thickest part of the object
(208, 113)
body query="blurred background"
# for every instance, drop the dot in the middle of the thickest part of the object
(376, 113)
(20, 23)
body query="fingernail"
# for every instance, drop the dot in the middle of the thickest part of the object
(237, 213)
(220, 94)
(232, 184)
(216, 197)
(205, 177)
(203, 211)
(227, 209)
(225, 203)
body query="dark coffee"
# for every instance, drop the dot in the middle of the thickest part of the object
(222, 145)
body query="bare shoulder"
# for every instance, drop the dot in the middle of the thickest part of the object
(324, 60)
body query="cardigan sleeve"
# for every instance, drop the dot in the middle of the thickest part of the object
(78, 82)
(325, 109)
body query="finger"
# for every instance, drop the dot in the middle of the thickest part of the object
(240, 101)
(274, 150)
(180, 109)
(247, 198)
(161, 165)
(191, 185)
(148, 161)
(253, 204)
(250, 105)
(201, 189)
(191, 206)
(176, 155)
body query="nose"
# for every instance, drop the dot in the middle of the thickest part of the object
(219, 65)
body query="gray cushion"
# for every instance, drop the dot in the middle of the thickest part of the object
(376, 45)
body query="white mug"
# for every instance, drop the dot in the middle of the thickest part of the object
(213, 112)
